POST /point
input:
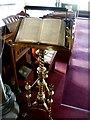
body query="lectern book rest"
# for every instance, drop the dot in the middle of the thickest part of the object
(44, 31)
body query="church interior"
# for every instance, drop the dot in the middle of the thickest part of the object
(44, 60)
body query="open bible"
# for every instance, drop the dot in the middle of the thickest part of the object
(38, 30)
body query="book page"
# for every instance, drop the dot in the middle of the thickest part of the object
(50, 32)
(62, 34)
(29, 30)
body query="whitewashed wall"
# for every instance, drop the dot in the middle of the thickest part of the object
(18, 5)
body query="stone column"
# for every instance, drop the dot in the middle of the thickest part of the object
(8, 105)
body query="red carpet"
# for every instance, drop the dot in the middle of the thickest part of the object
(76, 92)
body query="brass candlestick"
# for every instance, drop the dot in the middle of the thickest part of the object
(28, 93)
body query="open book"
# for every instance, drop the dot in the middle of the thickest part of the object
(37, 30)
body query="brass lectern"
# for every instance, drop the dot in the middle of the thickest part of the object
(42, 33)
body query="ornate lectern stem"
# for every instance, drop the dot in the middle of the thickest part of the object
(40, 102)
(42, 85)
